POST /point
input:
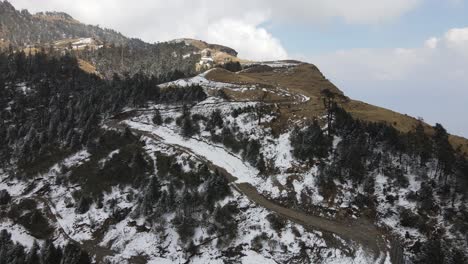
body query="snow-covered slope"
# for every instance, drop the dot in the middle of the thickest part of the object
(226, 167)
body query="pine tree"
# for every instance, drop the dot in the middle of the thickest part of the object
(50, 254)
(5, 197)
(73, 254)
(33, 255)
(157, 119)
(328, 102)
(151, 196)
(422, 143)
(432, 253)
(252, 152)
(215, 120)
(310, 143)
(217, 188)
(83, 205)
(188, 128)
(444, 151)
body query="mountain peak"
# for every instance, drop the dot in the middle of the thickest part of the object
(21, 28)
(6, 6)
(54, 16)
(200, 44)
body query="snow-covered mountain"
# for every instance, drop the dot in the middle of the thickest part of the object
(105, 51)
(200, 157)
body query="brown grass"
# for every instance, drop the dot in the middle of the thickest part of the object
(218, 56)
(373, 113)
(197, 43)
(4, 44)
(87, 67)
(31, 50)
(459, 142)
(253, 95)
(222, 75)
(306, 79)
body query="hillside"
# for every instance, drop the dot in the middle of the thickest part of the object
(199, 170)
(22, 28)
(108, 51)
(105, 52)
(306, 79)
(113, 150)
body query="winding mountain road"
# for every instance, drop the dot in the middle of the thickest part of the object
(360, 231)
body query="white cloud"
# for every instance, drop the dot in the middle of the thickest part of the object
(457, 39)
(431, 43)
(437, 58)
(237, 24)
(356, 11)
(251, 41)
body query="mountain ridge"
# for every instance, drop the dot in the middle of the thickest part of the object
(181, 152)
(221, 54)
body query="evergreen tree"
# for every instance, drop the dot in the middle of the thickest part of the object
(188, 126)
(432, 253)
(443, 151)
(328, 102)
(33, 255)
(252, 152)
(217, 189)
(157, 119)
(5, 197)
(421, 143)
(73, 254)
(310, 143)
(215, 120)
(83, 205)
(50, 254)
(151, 196)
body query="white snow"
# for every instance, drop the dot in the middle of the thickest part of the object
(217, 155)
(199, 80)
(103, 161)
(274, 64)
(76, 159)
(24, 87)
(83, 41)
(253, 257)
(14, 187)
(283, 149)
(18, 233)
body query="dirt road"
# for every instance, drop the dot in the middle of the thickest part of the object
(360, 231)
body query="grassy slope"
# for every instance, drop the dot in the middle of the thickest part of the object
(88, 67)
(308, 80)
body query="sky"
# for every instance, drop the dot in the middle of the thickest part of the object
(407, 55)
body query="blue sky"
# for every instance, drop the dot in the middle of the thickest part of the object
(432, 17)
(439, 98)
(407, 55)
